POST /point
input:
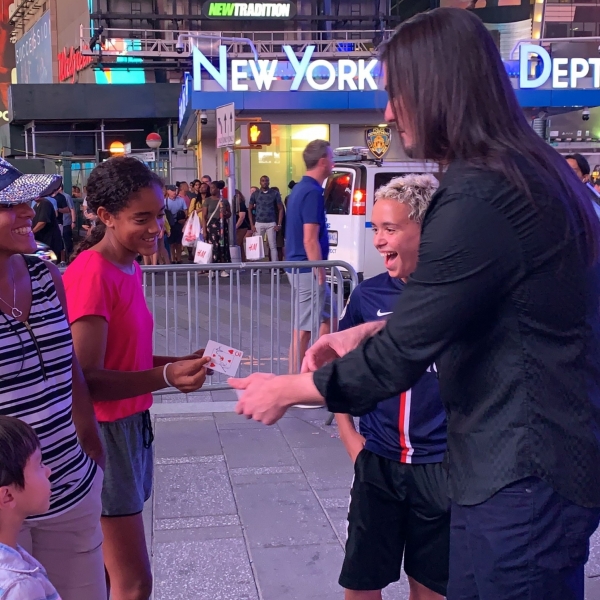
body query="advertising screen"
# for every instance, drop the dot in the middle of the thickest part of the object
(495, 11)
(122, 75)
(34, 53)
(7, 59)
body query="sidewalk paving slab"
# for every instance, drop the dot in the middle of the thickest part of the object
(326, 468)
(196, 436)
(193, 489)
(203, 570)
(282, 514)
(299, 572)
(256, 447)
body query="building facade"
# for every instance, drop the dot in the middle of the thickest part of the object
(67, 51)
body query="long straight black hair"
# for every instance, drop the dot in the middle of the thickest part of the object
(446, 78)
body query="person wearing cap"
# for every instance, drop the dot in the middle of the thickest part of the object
(42, 384)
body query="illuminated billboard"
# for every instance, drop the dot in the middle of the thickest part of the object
(249, 10)
(495, 11)
(7, 59)
(122, 74)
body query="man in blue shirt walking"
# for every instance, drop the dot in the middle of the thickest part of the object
(306, 239)
(399, 506)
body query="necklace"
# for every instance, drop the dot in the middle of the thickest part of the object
(14, 311)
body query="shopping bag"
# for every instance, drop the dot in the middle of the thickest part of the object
(191, 231)
(204, 253)
(255, 249)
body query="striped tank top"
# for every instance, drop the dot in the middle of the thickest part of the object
(36, 387)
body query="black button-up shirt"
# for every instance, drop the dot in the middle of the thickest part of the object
(504, 303)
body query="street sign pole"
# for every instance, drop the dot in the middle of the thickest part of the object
(226, 139)
(231, 187)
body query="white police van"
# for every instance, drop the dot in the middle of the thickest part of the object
(349, 194)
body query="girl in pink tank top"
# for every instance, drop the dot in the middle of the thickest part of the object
(112, 333)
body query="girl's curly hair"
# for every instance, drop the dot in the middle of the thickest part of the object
(111, 185)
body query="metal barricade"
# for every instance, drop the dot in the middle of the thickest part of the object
(258, 308)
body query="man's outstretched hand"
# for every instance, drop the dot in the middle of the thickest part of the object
(261, 398)
(266, 397)
(335, 345)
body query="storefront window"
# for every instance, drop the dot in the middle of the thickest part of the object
(282, 160)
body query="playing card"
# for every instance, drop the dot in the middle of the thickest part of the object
(223, 359)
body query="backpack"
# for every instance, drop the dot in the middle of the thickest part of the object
(169, 215)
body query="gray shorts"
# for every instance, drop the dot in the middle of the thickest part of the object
(129, 465)
(311, 302)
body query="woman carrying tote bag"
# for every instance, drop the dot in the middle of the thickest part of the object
(216, 212)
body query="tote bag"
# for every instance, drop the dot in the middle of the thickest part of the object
(191, 231)
(204, 253)
(255, 249)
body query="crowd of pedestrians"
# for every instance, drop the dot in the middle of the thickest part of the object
(264, 215)
(473, 361)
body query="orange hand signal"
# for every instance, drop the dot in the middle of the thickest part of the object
(254, 134)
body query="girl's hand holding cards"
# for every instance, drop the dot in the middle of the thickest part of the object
(187, 375)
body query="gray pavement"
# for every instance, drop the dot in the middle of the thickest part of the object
(246, 512)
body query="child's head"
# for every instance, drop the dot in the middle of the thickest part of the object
(127, 198)
(24, 479)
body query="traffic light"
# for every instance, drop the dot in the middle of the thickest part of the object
(259, 133)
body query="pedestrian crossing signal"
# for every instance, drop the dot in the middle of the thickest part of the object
(259, 133)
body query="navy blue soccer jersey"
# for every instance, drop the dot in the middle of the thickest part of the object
(410, 428)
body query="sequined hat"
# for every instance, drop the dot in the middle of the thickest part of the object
(16, 188)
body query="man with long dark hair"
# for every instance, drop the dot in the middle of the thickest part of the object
(505, 300)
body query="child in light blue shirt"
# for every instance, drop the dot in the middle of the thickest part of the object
(24, 491)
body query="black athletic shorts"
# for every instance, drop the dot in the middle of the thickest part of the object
(397, 510)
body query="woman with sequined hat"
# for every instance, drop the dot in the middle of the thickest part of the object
(41, 383)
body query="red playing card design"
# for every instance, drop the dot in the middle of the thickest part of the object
(225, 359)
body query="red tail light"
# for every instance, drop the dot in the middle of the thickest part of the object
(359, 203)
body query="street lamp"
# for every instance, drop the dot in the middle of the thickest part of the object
(153, 140)
(117, 148)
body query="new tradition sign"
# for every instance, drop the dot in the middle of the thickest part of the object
(249, 10)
